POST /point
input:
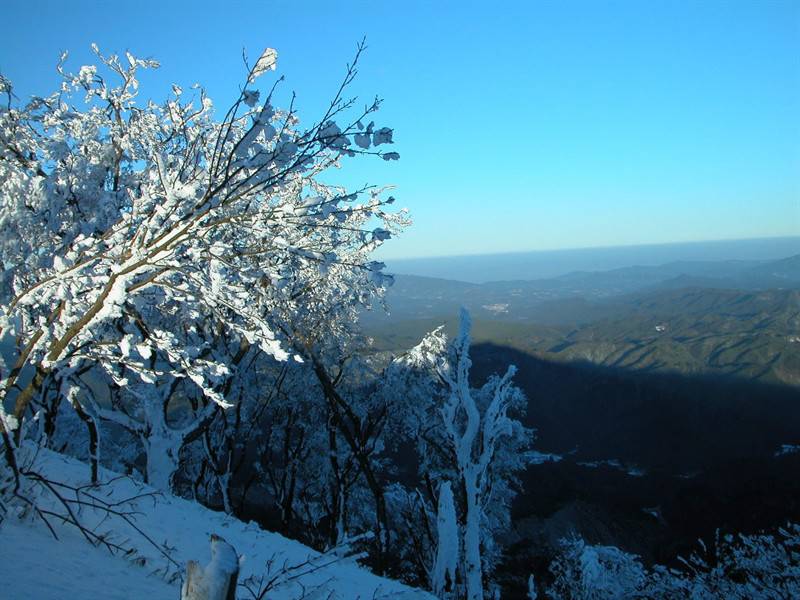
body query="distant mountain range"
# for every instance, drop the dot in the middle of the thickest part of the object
(420, 297)
(554, 263)
(726, 317)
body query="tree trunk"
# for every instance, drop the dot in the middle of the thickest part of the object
(217, 581)
(161, 452)
(472, 543)
(194, 587)
(94, 438)
(443, 575)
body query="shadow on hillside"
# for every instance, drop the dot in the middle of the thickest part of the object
(694, 453)
(666, 421)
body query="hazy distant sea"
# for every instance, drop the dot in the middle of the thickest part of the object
(552, 263)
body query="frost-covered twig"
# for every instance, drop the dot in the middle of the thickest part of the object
(76, 499)
(286, 574)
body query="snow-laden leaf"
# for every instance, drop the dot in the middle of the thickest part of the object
(268, 61)
(380, 234)
(250, 97)
(382, 136)
(363, 140)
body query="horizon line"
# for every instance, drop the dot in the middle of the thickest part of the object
(604, 247)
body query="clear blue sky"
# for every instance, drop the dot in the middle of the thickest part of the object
(522, 126)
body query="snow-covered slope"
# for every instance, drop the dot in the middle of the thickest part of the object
(163, 533)
(35, 566)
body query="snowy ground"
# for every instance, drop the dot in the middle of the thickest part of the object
(35, 566)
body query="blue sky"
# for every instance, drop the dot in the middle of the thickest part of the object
(521, 126)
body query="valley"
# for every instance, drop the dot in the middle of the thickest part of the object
(666, 401)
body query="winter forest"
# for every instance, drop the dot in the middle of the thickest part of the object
(184, 369)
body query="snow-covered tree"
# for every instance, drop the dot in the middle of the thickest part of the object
(465, 438)
(133, 235)
(740, 566)
(474, 437)
(583, 572)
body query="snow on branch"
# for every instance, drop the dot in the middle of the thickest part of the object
(148, 241)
